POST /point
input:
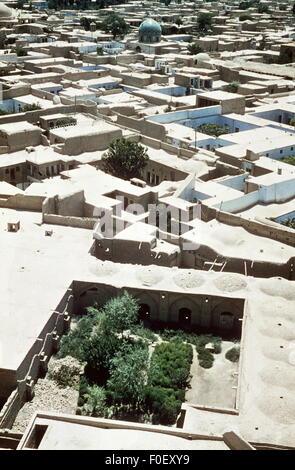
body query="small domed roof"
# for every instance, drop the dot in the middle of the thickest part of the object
(202, 57)
(53, 18)
(5, 12)
(150, 27)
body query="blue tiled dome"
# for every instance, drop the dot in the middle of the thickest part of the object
(150, 31)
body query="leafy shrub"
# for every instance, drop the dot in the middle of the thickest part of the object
(84, 384)
(164, 403)
(166, 359)
(232, 87)
(205, 358)
(199, 340)
(290, 159)
(168, 377)
(121, 313)
(30, 107)
(98, 351)
(290, 222)
(245, 17)
(94, 402)
(233, 354)
(194, 49)
(73, 344)
(128, 370)
(212, 129)
(143, 332)
(65, 121)
(125, 159)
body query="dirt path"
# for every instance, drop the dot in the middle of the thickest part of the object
(215, 386)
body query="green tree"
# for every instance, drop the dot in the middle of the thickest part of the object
(262, 8)
(212, 129)
(20, 4)
(30, 107)
(19, 51)
(290, 160)
(244, 5)
(204, 21)
(292, 122)
(290, 222)
(115, 24)
(121, 313)
(98, 351)
(74, 343)
(232, 87)
(128, 376)
(245, 17)
(194, 49)
(178, 21)
(85, 23)
(94, 401)
(125, 159)
(293, 9)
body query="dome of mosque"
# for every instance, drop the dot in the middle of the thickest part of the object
(150, 31)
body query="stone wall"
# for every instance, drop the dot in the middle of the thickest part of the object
(23, 202)
(78, 222)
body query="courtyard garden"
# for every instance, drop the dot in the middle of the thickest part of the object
(132, 372)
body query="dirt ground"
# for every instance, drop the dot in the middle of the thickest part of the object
(215, 386)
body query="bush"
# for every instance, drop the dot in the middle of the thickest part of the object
(233, 354)
(121, 313)
(290, 160)
(65, 121)
(290, 222)
(98, 352)
(94, 402)
(125, 159)
(245, 17)
(30, 107)
(194, 49)
(200, 341)
(19, 51)
(232, 87)
(168, 377)
(212, 129)
(128, 376)
(146, 333)
(263, 8)
(166, 360)
(205, 358)
(164, 403)
(73, 344)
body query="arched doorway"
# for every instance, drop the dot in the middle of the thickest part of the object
(144, 312)
(226, 320)
(184, 317)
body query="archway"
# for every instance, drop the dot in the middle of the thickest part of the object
(144, 312)
(93, 295)
(184, 317)
(226, 320)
